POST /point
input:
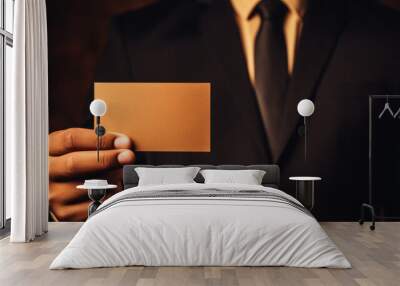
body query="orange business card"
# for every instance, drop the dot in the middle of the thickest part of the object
(159, 117)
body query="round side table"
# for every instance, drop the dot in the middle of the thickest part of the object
(305, 190)
(96, 194)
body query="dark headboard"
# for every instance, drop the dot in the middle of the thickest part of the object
(271, 177)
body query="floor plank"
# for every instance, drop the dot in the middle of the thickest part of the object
(375, 257)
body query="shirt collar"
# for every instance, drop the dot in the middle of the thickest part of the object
(243, 8)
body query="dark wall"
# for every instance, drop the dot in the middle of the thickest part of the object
(77, 31)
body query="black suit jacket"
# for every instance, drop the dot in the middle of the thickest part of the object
(347, 51)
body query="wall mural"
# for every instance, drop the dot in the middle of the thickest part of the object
(252, 68)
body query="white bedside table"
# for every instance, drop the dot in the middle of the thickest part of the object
(305, 190)
(96, 193)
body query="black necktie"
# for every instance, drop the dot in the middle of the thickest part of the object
(271, 72)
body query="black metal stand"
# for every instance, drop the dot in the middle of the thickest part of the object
(100, 131)
(362, 218)
(369, 205)
(305, 139)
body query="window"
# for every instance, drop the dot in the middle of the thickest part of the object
(6, 62)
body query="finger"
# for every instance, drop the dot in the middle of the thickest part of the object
(77, 139)
(80, 139)
(66, 193)
(76, 212)
(63, 194)
(79, 164)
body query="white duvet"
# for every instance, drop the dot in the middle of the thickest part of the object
(200, 231)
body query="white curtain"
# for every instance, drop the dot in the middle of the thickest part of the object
(27, 123)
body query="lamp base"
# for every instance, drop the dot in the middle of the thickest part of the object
(95, 195)
(362, 218)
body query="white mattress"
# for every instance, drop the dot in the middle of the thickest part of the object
(200, 231)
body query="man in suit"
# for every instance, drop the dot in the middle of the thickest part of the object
(261, 58)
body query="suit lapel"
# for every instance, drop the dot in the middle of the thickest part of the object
(323, 23)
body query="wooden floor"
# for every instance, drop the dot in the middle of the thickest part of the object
(375, 257)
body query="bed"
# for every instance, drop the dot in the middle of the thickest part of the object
(198, 224)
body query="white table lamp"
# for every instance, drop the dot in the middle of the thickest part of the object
(305, 108)
(98, 108)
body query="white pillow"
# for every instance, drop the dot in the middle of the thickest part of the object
(165, 176)
(248, 177)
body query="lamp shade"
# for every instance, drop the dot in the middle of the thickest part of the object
(305, 107)
(98, 107)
